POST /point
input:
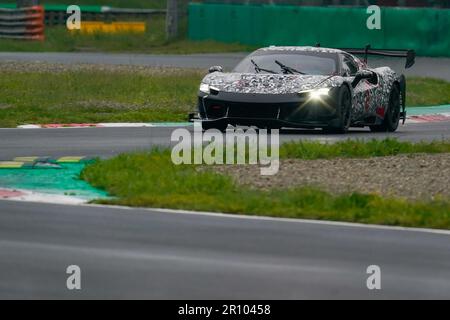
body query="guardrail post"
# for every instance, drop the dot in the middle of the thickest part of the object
(172, 19)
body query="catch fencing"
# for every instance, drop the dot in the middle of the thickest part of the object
(425, 30)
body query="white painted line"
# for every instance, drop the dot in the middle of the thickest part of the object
(413, 119)
(124, 125)
(304, 221)
(51, 198)
(31, 196)
(83, 203)
(103, 125)
(29, 126)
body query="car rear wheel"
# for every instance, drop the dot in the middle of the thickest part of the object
(392, 117)
(344, 110)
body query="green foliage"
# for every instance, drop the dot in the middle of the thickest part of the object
(358, 148)
(96, 96)
(154, 41)
(151, 180)
(427, 92)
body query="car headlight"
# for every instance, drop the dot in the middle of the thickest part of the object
(204, 87)
(317, 93)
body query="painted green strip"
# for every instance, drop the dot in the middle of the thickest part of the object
(61, 7)
(416, 111)
(64, 181)
(8, 5)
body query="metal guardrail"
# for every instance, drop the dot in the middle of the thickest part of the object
(22, 23)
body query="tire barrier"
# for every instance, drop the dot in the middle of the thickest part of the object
(22, 23)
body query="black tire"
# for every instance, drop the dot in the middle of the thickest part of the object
(221, 126)
(392, 117)
(344, 110)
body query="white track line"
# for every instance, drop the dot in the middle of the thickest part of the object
(82, 203)
(31, 196)
(103, 125)
(410, 120)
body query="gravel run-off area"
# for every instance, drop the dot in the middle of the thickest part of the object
(415, 177)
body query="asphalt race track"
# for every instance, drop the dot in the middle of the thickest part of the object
(133, 253)
(149, 254)
(136, 253)
(424, 67)
(105, 142)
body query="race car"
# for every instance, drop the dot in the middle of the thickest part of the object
(305, 87)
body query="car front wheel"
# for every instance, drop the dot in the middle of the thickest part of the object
(344, 110)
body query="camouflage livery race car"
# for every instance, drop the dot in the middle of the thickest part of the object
(305, 87)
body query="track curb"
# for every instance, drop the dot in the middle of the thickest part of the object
(416, 115)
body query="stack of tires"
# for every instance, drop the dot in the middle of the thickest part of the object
(22, 23)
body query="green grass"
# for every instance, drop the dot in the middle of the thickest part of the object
(59, 39)
(309, 150)
(81, 96)
(426, 92)
(151, 180)
(96, 96)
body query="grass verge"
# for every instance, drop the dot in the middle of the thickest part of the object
(90, 96)
(41, 93)
(151, 180)
(59, 39)
(310, 150)
(427, 92)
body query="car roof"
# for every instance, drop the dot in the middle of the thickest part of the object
(300, 49)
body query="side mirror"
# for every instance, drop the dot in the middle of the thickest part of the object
(215, 69)
(360, 75)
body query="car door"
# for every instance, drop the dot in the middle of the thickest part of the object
(365, 91)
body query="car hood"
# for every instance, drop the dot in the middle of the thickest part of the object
(269, 83)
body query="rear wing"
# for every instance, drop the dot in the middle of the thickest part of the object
(410, 55)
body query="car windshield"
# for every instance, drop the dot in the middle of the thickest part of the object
(293, 63)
